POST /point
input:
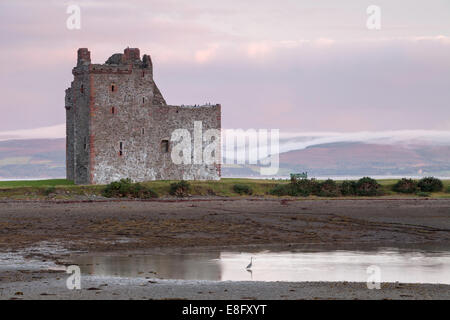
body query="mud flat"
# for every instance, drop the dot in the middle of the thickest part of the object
(127, 225)
(52, 286)
(50, 231)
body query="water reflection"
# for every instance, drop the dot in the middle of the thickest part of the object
(181, 266)
(395, 265)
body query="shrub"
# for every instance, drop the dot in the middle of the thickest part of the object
(180, 189)
(328, 188)
(348, 188)
(242, 189)
(306, 187)
(117, 188)
(447, 190)
(405, 186)
(48, 191)
(142, 192)
(126, 189)
(302, 187)
(422, 194)
(430, 184)
(367, 187)
(284, 190)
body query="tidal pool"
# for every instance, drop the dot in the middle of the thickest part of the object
(394, 265)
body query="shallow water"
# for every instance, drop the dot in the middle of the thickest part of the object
(19, 260)
(394, 265)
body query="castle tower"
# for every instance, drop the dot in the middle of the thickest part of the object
(119, 125)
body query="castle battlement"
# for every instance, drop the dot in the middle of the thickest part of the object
(119, 124)
(122, 63)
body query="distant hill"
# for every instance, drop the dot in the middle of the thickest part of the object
(32, 159)
(370, 159)
(45, 158)
(358, 159)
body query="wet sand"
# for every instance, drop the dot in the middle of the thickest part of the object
(126, 225)
(144, 226)
(53, 286)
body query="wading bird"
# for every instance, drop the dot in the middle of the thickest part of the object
(250, 264)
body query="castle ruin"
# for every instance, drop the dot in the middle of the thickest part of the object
(118, 124)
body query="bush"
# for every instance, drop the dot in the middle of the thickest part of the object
(287, 189)
(48, 191)
(142, 192)
(242, 189)
(447, 190)
(422, 194)
(367, 187)
(348, 188)
(430, 184)
(302, 187)
(405, 186)
(117, 188)
(328, 188)
(180, 189)
(306, 187)
(363, 187)
(126, 189)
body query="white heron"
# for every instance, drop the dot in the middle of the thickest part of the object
(250, 264)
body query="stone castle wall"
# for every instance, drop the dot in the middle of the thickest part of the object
(118, 122)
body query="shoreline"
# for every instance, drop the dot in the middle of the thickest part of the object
(52, 286)
(88, 199)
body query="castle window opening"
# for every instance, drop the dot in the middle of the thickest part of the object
(121, 148)
(113, 87)
(113, 110)
(165, 146)
(85, 143)
(82, 88)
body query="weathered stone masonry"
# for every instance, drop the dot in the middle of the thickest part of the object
(119, 125)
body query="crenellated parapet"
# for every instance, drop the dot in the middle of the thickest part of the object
(118, 63)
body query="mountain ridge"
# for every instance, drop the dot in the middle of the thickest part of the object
(45, 158)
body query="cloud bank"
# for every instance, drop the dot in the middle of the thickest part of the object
(51, 132)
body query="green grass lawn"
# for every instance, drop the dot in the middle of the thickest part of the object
(66, 189)
(36, 183)
(224, 187)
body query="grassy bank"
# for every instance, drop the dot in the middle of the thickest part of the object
(64, 189)
(35, 183)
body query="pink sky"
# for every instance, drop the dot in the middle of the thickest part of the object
(293, 65)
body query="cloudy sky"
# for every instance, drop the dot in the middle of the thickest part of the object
(288, 64)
